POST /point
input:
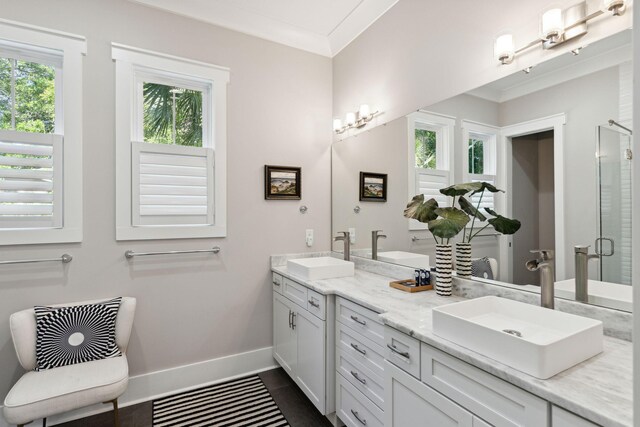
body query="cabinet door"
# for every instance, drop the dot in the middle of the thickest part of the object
(410, 403)
(563, 418)
(310, 366)
(284, 336)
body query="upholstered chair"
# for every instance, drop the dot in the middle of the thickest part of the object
(40, 394)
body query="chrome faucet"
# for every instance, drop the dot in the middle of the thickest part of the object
(582, 271)
(544, 264)
(346, 238)
(375, 235)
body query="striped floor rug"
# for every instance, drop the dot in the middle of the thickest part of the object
(239, 403)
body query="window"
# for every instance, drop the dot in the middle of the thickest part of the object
(40, 139)
(481, 159)
(430, 145)
(170, 128)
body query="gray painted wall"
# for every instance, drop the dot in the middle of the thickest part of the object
(190, 308)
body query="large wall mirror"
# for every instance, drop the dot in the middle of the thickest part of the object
(556, 138)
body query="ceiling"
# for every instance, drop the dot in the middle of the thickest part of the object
(324, 27)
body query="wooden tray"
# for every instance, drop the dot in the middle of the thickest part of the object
(401, 284)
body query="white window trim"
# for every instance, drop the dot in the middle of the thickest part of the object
(491, 148)
(126, 59)
(72, 49)
(444, 160)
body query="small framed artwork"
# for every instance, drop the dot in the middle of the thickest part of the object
(282, 183)
(373, 187)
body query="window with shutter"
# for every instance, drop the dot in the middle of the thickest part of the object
(171, 131)
(430, 145)
(40, 135)
(481, 160)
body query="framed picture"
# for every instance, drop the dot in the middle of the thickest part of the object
(282, 183)
(373, 187)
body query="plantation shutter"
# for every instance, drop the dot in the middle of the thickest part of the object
(172, 185)
(30, 180)
(429, 182)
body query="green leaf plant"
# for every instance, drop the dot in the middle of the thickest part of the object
(446, 222)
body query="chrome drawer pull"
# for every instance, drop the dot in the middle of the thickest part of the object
(293, 321)
(356, 376)
(276, 283)
(398, 352)
(314, 304)
(355, 319)
(289, 319)
(355, 414)
(358, 349)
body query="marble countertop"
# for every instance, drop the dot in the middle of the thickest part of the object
(599, 389)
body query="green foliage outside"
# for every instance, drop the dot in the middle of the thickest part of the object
(166, 106)
(425, 149)
(34, 102)
(476, 156)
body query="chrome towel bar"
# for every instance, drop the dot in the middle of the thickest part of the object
(131, 254)
(65, 258)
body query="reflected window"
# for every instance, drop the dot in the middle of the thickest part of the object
(476, 154)
(426, 148)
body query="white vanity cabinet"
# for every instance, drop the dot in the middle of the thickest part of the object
(423, 383)
(303, 342)
(564, 418)
(360, 365)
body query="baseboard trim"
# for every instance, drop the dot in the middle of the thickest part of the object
(154, 385)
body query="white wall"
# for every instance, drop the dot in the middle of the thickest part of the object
(588, 101)
(190, 308)
(424, 51)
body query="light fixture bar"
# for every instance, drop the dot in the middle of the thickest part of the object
(355, 120)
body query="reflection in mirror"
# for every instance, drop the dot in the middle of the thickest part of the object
(557, 140)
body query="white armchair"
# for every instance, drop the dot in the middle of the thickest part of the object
(40, 394)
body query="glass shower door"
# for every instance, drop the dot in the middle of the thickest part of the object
(614, 205)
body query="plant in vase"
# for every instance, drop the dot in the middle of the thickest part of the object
(500, 224)
(444, 223)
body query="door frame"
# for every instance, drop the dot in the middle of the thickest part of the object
(504, 201)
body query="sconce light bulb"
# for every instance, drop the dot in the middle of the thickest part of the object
(337, 124)
(350, 119)
(504, 49)
(552, 25)
(364, 111)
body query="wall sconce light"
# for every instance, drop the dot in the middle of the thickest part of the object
(354, 120)
(557, 27)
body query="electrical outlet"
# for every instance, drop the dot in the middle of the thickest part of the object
(309, 237)
(352, 236)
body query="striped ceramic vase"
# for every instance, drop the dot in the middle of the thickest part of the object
(463, 259)
(443, 269)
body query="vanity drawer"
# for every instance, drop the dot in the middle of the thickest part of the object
(316, 304)
(403, 351)
(365, 321)
(294, 291)
(277, 283)
(361, 349)
(490, 398)
(361, 378)
(353, 408)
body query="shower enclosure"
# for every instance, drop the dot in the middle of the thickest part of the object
(613, 163)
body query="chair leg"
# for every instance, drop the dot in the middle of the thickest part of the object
(116, 414)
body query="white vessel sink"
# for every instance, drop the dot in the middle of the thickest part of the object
(612, 295)
(531, 339)
(320, 268)
(407, 259)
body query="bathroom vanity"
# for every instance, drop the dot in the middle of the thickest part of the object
(369, 352)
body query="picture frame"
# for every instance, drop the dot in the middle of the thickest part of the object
(282, 182)
(373, 187)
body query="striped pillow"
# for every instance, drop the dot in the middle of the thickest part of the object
(76, 334)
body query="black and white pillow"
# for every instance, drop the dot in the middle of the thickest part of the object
(76, 334)
(482, 268)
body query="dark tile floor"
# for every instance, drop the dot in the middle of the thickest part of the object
(295, 406)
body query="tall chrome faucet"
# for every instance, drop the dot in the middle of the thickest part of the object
(582, 271)
(346, 238)
(375, 235)
(544, 264)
